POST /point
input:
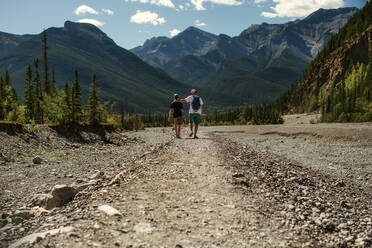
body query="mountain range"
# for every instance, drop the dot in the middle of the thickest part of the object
(254, 67)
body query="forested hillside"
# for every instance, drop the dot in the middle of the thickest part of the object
(338, 82)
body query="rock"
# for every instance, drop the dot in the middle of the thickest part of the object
(63, 194)
(37, 160)
(43, 200)
(32, 238)
(143, 228)
(109, 210)
(24, 214)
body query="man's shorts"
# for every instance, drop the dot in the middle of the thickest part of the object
(178, 120)
(195, 119)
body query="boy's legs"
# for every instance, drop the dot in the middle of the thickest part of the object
(197, 122)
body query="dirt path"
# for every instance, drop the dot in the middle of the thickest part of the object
(182, 197)
(212, 192)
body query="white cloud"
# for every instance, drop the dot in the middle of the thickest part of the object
(296, 8)
(147, 17)
(92, 21)
(83, 9)
(163, 3)
(174, 32)
(199, 23)
(198, 4)
(268, 14)
(259, 1)
(108, 12)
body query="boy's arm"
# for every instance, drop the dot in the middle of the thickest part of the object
(170, 114)
(201, 110)
(183, 100)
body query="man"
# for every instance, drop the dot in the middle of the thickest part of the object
(195, 112)
(177, 106)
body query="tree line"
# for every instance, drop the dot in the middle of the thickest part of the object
(45, 103)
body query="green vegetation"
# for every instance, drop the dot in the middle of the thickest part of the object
(352, 101)
(50, 105)
(347, 99)
(9, 105)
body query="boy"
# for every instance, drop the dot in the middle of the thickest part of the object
(177, 108)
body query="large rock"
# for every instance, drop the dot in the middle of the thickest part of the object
(43, 200)
(32, 238)
(63, 194)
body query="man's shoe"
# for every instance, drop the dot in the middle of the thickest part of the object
(196, 137)
(190, 135)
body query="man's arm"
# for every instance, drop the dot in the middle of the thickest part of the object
(170, 114)
(201, 110)
(183, 100)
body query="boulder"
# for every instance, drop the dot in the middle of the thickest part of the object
(43, 200)
(63, 194)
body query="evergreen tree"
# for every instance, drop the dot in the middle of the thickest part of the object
(75, 100)
(67, 109)
(29, 96)
(54, 85)
(46, 67)
(93, 102)
(38, 96)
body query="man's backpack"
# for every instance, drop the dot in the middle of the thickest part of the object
(195, 103)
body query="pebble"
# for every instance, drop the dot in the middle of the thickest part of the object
(109, 210)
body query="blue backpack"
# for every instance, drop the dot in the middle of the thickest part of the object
(196, 103)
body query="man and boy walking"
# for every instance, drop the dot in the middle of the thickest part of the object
(195, 113)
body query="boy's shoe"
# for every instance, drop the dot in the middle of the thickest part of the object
(196, 137)
(178, 137)
(190, 135)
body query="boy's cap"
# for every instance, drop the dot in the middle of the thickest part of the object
(193, 91)
(176, 96)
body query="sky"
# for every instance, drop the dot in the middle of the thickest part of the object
(131, 22)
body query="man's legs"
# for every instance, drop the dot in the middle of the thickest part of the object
(197, 122)
(196, 131)
(190, 124)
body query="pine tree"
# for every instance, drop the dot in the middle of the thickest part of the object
(54, 85)
(93, 102)
(67, 104)
(38, 96)
(46, 67)
(29, 96)
(75, 100)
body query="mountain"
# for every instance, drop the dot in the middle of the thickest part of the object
(161, 50)
(263, 61)
(84, 47)
(338, 82)
(10, 41)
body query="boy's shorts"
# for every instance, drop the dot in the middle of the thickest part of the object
(178, 120)
(195, 119)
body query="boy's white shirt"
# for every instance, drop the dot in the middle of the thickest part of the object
(189, 99)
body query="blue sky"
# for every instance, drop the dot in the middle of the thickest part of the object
(130, 22)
